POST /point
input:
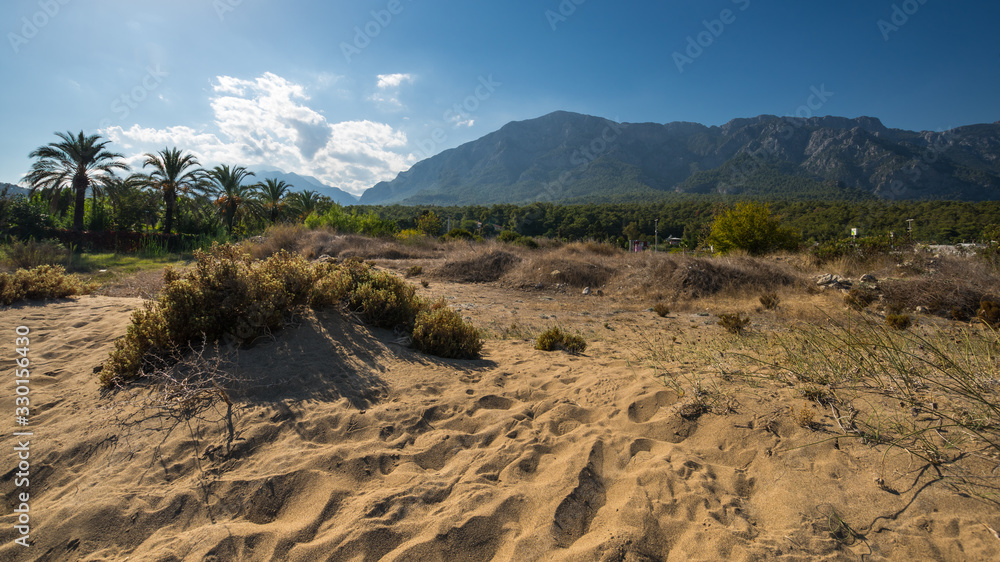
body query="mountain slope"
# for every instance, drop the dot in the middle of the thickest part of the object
(303, 183)
(563, 156)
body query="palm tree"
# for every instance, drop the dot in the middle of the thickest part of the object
(304, 202)
(232, 193)
(131, 205)
(174, 173)
(272, 192)
(79, 163)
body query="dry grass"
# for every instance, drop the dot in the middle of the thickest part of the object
(482, 267)
(313, 243)
(143, 284)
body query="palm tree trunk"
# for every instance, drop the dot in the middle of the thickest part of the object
(169, 197)
(80, 187)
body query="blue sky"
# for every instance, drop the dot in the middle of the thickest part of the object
(355, 92)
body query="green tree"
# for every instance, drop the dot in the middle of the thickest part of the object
(429, 223)
(272, 195)
(751, 227)
(174, 174)
(131, 206)
(79, 163)
(233, 195)
(303, 203)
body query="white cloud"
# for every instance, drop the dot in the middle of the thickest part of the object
(393, 80)
(387, 96)
(267, 121)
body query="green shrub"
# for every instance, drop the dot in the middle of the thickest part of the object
(384, 300)
(734, 323)
(554, 338)
(42, 282)
(441, 331)
(508, 236)
(414, 271)
(26, 255)
(459, 234)
(527, 242)
(512, 237)
(751, 227)
(898, 321)
(337, 218)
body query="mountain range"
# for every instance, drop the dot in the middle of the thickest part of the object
(303, 183)
(569, 157)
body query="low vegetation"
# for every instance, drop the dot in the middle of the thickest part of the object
(39, 283)
(229, 296)
(555, 338)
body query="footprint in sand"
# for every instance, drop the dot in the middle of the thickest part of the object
(643, 409)
(576, 511)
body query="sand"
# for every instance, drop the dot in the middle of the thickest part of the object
(347, 445)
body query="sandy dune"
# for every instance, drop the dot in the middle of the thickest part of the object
(346, 445)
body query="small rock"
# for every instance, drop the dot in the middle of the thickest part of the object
(539, 286)
(868, 278)
(921, 310)
(326, 258)
(586, 290)
(555, 273)
(825, 279)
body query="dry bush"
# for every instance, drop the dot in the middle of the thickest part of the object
(770, 300)
(661, 309)
(228, 295)
(697, 277)
(860, 298)
(898, 321)
(38, 283)
(555, 266)
(591, 247)
(953, 288)
(313, 243)
(989, 313)
(482, 267)
(287, 237)
(734, 323)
